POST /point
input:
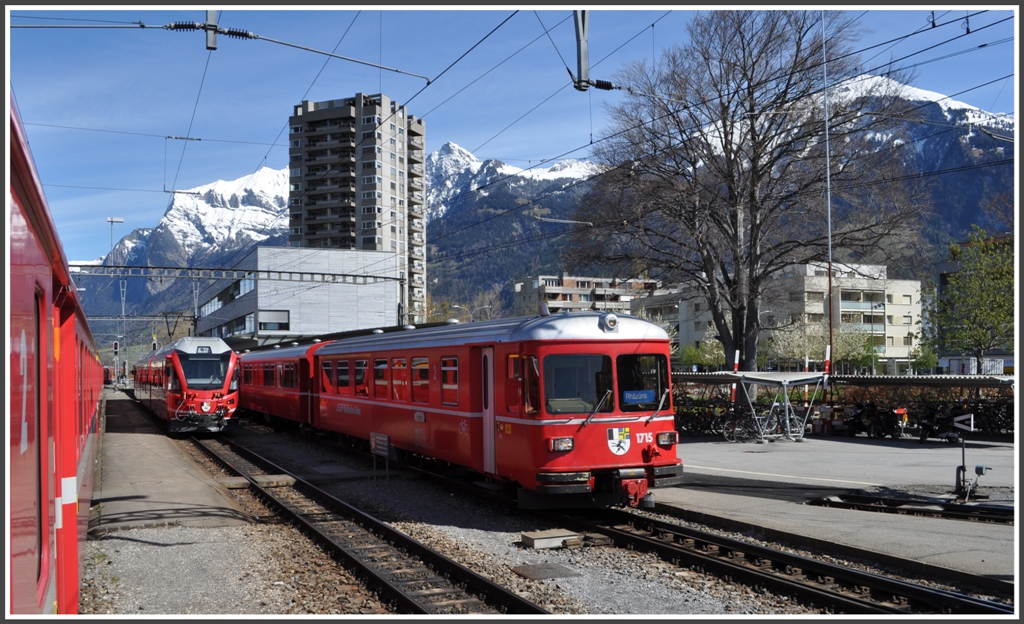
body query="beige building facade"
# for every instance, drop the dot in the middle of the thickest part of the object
(867, 303)
(569, 293)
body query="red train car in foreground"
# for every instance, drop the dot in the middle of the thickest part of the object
(55, 381)
(190, 384)
(572, 410)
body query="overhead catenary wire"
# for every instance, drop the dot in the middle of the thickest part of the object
(672, 112)
(570, 152)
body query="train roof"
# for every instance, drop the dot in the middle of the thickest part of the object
(190, 345)
(603, 326)
(587, 325)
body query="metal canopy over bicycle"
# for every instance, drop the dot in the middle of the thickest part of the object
(781, 420)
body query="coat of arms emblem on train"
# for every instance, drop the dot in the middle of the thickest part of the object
(618, 440)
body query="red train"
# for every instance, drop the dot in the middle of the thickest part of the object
(572, 410)
(55, 381)
(190, 384)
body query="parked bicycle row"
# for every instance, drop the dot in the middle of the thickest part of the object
(922, 419)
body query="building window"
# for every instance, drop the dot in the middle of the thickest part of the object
(906, 319)
(906, 300)
(908, 340)
(813, 295)
(371, 119)
(271, 320)
(697, 325)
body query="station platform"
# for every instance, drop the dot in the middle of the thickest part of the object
(764, 488)
(146, 481)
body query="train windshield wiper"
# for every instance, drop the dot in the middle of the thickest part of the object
(660, 403)
(607, 393)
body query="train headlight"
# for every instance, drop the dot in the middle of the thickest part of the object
(560, 444)
(668, 438)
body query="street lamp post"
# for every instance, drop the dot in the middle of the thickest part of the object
(874, 306)
(112, 221)
(117, 358)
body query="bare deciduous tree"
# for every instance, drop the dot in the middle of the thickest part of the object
(716, 163)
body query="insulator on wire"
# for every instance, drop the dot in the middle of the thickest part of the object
(237, 33)
(185, 26)
(604, 85)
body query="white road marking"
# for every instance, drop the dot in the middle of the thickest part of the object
(771, 474)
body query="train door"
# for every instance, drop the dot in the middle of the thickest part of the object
(487, 389)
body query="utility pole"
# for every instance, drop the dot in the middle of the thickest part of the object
(582, 81)
(211, 30)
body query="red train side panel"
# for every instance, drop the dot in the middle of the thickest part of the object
(568, 407)
(55, 380)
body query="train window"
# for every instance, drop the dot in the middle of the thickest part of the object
(343, 380)
(326, 376)
(173, 385)
(361, 389)
(512, 369)
(513, 384)
(289, 375)
(643, 378)
(578, 383)
(268, 375)
(204, 370)
(531, 384)
(234, 380)
(247, 374)
(420, 380)
(380, 379)
(399, 380)
(450, 380)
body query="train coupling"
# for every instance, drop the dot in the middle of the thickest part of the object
(633, 484)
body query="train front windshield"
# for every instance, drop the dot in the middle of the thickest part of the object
(582, 383)
(205, 371)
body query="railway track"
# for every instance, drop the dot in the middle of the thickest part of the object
(416, 579)
(910, 507)
(837, 588)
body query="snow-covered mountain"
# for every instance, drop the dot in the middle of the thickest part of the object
(453, 172)
(204, 222)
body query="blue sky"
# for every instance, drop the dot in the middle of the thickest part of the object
(99, 102)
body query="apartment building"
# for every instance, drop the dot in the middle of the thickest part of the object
(885, 311)
(567, 293)
(357, 182)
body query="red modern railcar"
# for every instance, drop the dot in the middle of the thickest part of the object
(572, 409)
(55, 381)
(190, 384)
